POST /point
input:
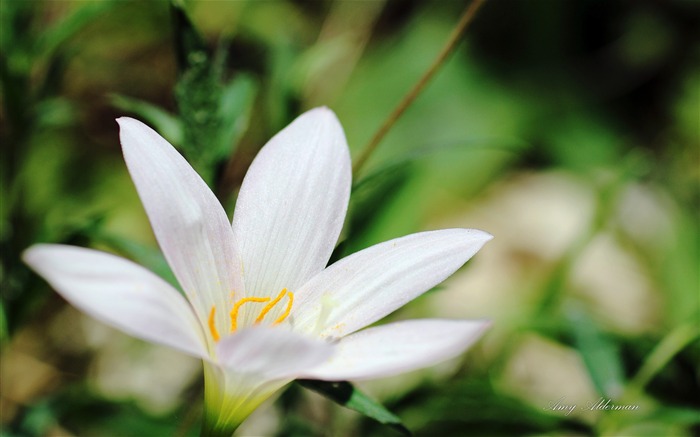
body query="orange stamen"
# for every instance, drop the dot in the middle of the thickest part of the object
(270, 305)
(212, 324)
(237, 306)
(287, 310)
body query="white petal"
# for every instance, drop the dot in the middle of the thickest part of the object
(271, 353)
(292, 204)
(189, 222)
(119, 293)
(398, 347)
(366, 286)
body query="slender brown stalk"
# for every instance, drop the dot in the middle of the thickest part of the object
(455, 36)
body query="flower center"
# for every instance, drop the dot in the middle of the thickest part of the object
(271, 303)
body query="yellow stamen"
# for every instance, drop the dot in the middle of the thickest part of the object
(287, 310)
(212, 324)
(237, 306)
(270, 305)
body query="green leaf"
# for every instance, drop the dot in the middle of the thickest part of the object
(502, 143)
(55, 112)
(371, 198)
(82, 16)
(164, 122)
(80, 409)
(675, 415)
(384, 202)
(147, 256)
(236, 104)
(348, 396)
(448, 408)
(599, 353)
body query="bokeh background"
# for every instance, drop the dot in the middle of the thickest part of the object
(568, 129)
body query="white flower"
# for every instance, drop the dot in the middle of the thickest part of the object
(262, 308)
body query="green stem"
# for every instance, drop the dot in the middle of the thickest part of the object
(662, 354)
(213, 429)
(455, 36)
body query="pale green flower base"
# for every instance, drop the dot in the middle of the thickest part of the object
(225, 409)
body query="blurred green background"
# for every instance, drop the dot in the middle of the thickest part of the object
(568, 129)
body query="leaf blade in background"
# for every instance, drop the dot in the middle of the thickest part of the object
(599, 353)
(144, 255)
(236, 105)
(57, 35)
(161, 120)
(347, 395)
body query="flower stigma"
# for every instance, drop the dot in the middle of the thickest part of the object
(271, 303)
(237, 306)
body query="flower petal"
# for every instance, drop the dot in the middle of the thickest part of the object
(119, 293)
(187, 219)
(271, 353)
(253, 364)
(292, 204)
(398, 347)
(366, 286)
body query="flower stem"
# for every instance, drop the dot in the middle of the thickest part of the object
(455, 36)
(211, 431)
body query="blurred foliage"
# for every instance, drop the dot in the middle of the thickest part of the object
(568, 129)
